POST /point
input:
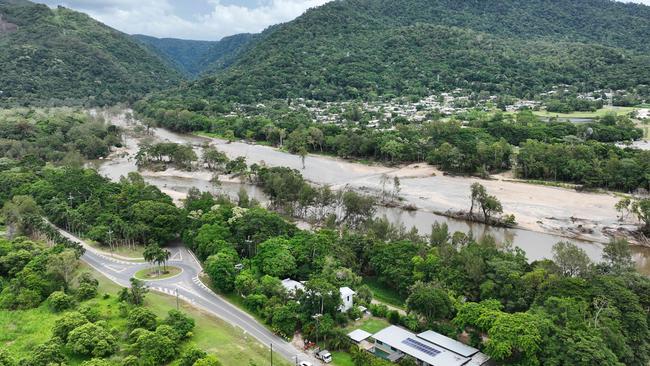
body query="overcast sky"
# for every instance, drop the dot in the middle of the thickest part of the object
(193, 19)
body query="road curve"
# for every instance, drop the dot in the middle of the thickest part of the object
(189, 288)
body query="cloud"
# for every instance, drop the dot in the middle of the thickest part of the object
(203, 20)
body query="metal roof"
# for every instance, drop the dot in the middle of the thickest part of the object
(346, 291)
(448, 343)
(430, 353)
(359, 335)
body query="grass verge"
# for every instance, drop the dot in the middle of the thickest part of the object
(383, 293)
(149, 274)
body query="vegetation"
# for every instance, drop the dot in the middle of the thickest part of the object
(364, 49)
(62, 57)
(193, 58)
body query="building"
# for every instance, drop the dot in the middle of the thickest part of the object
(427, 349)
(347, 297)
(292, 286)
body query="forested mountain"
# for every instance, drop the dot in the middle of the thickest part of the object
(195, 57)
(362, 48)
(59, 56)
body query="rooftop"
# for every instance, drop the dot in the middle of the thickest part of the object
(448, 343)
(346, 291)
(416, 347)
(291, 285)
(359, 335)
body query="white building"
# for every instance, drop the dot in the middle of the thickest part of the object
(427, 349)
(292, 286)
(347, 296)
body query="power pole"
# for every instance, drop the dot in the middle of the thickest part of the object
(177, 305)
(271, 354)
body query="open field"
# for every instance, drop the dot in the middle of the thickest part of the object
(599, 113)
(22, 330)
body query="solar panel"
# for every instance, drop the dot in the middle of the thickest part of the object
(420, 346)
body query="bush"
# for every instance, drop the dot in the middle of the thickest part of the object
(142, 318)
(67, 323)
(92, 340)
(180, 322)
(59, 301)
(87, 287)
(393, 317)
(210, 360)
(97, 362)
(49, 353)
(190, 356)
(6, 359)
(155, 348)
(378, 310)
(90, 312)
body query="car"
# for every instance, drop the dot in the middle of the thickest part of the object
(305, 363)
(324, 356)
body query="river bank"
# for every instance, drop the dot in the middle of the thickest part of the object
(545, 214)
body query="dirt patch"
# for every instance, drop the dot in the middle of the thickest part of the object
(6, 27)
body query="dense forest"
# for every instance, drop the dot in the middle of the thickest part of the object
(62, 57)
(193, 58)
(364, 49)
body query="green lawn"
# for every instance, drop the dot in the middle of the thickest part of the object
(381, 293)
(599, 113)
(124, 251)
(371, 325)
(340, 358)
(22, 330)
(152, 273)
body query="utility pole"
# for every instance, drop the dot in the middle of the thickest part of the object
(110, 240)
(177, 305)
(271, 354)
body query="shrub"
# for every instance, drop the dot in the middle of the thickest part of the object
(87, 287)
(65, 324)
(60, 301)
(142, 318)
(92, 340)
(393, 317)
(190, 356)
(90, 312)
(180, 322)
(49, 353)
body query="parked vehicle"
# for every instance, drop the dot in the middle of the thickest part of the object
(305, 363)
(324, 356)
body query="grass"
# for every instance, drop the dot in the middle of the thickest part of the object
(124, 251)
(152, 273)
(341, 358)
(599, 113)
(371, 325)
(22, 330)
(384, 294)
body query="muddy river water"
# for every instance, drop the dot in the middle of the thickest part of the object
(541, 225)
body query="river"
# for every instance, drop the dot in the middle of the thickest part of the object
(416, 188)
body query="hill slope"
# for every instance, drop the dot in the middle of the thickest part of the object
(59, 56)
(362, 48)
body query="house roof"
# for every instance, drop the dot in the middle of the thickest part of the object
(291, 285)
(410, 344)
(346, 291)
(359, 335)
(448, 343)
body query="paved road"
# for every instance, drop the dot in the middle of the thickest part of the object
(190, 289)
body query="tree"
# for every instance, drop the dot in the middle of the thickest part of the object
(68, 322)
(63, 265)
(20, 214)
(571, 259)
(6, 359)
(92, 340)
(275, 259)
(59, 301)
(140, 317)
(135, 294)
(618, 255)
(180, 322)
(190, 356)
(154, 348)
(641, 209)
(478, 193)
(430, 301)
(48, 353)
(87, 287)
(210, 360)
(221, 269)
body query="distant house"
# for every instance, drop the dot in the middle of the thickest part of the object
(427, 349)
(292, 286)
(347, 296)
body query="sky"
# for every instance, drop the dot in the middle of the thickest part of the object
(193, 19)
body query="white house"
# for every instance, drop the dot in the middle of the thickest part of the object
(347, 296)
(292, 286)
(427, 349)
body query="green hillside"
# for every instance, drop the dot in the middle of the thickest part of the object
(193, 58)
(59, 56)
(363, 48)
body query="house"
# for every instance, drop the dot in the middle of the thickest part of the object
(347, 297)
(427, 349)
(292, 286)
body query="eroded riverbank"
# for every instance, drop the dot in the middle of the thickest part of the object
(545, 214)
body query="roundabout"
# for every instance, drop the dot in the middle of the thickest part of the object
(156, 273)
